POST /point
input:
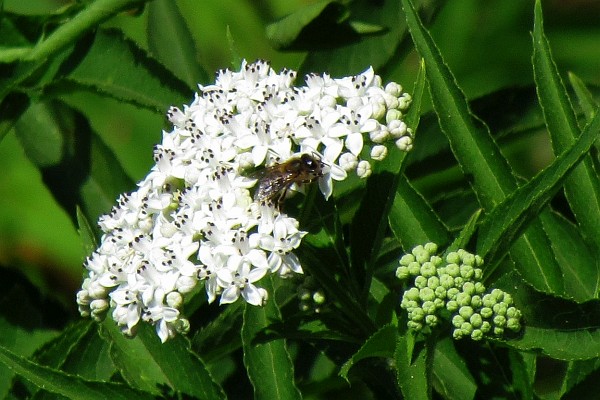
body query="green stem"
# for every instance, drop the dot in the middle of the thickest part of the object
(87, 19)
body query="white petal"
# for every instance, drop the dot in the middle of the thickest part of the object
(229, 295)
(252, 295)
(354, 143)
(256, 274)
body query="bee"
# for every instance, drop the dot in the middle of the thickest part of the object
(277, 179)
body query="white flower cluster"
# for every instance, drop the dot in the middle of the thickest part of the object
(193, 218)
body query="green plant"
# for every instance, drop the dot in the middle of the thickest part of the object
(518, 309)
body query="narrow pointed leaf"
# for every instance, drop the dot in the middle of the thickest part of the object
(269, 364)
(584, 96)
(115, 66)
(364, 50)
(412, 219)
(507, 220)
(381, 344)
(70, 386)
(579, 262)
(480, 158)
(451, 377)
(412, 370)
(287, 32)
(583, 186)
(171, 41)
(146, 363)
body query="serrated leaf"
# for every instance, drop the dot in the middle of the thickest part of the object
(451, 377)
(87, 235)
(582, 188)
(585, 98)
(170, 39)
(312, 25)
(578, 261)
(78, 350)
(555, 327)
(67, 385)
(78, 168)
(37, 60)
(480, 158)
(412, 370)
(466, 233)
(412, 220)
(117, 67)
(381, 344)
(221, 336)
(236, 58)
(54, 353)
(413, 116)
(146, 363)
(269, 365)
(361, 51)
(578, 372)
(507, 219)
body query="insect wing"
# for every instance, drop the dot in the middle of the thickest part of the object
(273, 181)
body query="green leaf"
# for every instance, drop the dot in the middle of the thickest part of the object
(584, 97)
(579, 263)
(146, 363)
(480, 158)
(171, 41)
(381, 344)
(370, 223)
(268, 365)
(582, 188)
(412, 219)
(236, 58)
(67, 385)
(412, 374)
(11, 108)
(86, 234)
(78, 350)
(55, 353)
(413, 116)
(451, 377)
(24, 320)
(462, 240)
(323, 255)
(578, 372)
(555, 327)
(507, 219)
(358, 52)
(78, 168)
(221, 336)
(117, 67)
(54, 44)
(313, 24)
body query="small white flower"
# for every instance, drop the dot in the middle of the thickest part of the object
(241, 282)
(193, 220)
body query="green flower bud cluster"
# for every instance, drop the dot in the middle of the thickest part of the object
(454, 284)
(312, 298)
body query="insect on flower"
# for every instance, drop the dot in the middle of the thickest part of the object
(275, 180)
